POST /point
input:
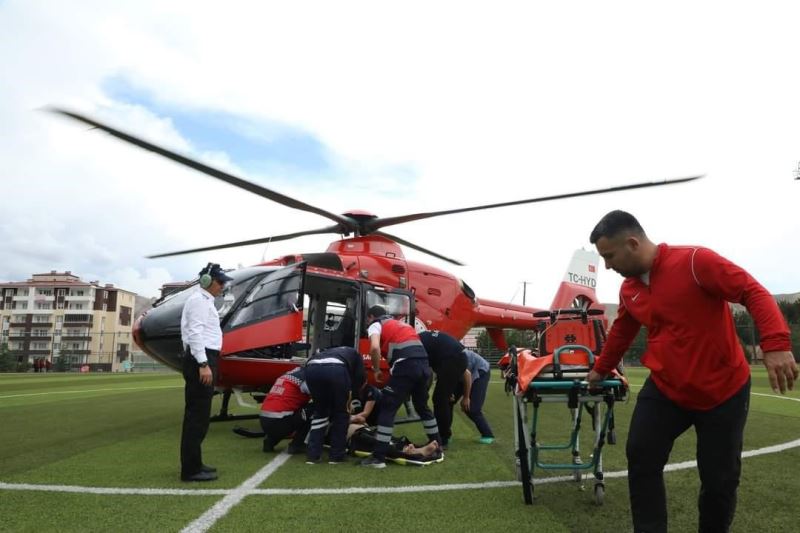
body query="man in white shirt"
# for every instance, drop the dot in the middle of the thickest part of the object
(202, 340)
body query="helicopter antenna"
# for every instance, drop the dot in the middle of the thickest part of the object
(797, 171)
(266, 247)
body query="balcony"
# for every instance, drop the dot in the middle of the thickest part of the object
(68, 337)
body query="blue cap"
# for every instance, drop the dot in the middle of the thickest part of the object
(218, 274)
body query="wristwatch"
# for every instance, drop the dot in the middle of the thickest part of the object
(203, 364)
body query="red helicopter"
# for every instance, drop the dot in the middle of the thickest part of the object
(276, 313)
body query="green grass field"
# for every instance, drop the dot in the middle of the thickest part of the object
(113, 441)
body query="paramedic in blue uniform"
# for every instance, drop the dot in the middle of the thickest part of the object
(201, 336)
(409, 375)
(365, 407)
(479, 372)
(448, 361)
(331, 376)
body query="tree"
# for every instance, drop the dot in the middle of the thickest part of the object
(8, 363)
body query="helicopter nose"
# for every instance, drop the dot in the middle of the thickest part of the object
(157, 342)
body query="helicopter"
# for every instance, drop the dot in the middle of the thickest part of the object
(277, 313)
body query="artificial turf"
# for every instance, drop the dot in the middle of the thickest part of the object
(122, 431)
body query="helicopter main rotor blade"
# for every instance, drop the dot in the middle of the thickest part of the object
(418, 248)
(346, 224)
(388, 221)
(274, 238)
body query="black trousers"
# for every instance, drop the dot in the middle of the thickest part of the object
(408, 378)
(655, 425)
(330, 386)
(277, 429)
(197, 412)
(449, 374)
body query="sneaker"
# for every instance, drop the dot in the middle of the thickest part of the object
(486, 440)
(372, 462)
(337, 460)
(313, 461)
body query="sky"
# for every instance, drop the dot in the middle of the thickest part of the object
(397, 108)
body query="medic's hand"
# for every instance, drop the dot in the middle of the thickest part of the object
(465, 404)
(206, 377)
(594, 379)
(378, 375)
(782, 370)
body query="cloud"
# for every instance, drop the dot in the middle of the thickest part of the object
(397, 109)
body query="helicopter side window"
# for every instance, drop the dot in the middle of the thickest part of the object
(275, 294)
(397, 304)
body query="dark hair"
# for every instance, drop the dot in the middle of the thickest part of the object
(376, 311)
(613, 224)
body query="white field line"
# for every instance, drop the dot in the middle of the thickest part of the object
(90, 390)
(248, 487)
(221, 508)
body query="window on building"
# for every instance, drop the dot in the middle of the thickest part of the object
(40, 305)
(44, 292)
(39, 346)
(20, 305)
(124, 315)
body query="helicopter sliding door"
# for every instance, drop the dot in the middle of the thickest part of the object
(269, 319)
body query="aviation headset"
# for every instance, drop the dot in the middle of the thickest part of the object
(205, 276)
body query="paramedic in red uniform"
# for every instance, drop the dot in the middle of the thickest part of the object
(698, 373)
(285, 410)
(409, 375)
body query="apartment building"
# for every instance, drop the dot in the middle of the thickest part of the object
(58, 315)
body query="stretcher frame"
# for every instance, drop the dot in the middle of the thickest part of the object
(565, 385)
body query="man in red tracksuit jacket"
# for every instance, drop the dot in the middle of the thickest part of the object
(698, 373)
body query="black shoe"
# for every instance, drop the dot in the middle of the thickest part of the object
(206, 468)
(200, 476)
(372, 462)
(268, 447)
(313, 461)
(296, 449)
(337, 460)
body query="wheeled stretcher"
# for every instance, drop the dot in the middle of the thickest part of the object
(560, 377)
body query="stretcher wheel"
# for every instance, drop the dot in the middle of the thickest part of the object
(612, 436)
(599, 493)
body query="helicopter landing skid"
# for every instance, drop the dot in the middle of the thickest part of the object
(223, 415)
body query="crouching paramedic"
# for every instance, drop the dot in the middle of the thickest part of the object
(332, 375)
(409, 375)
(285, 410)
(448, 361)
